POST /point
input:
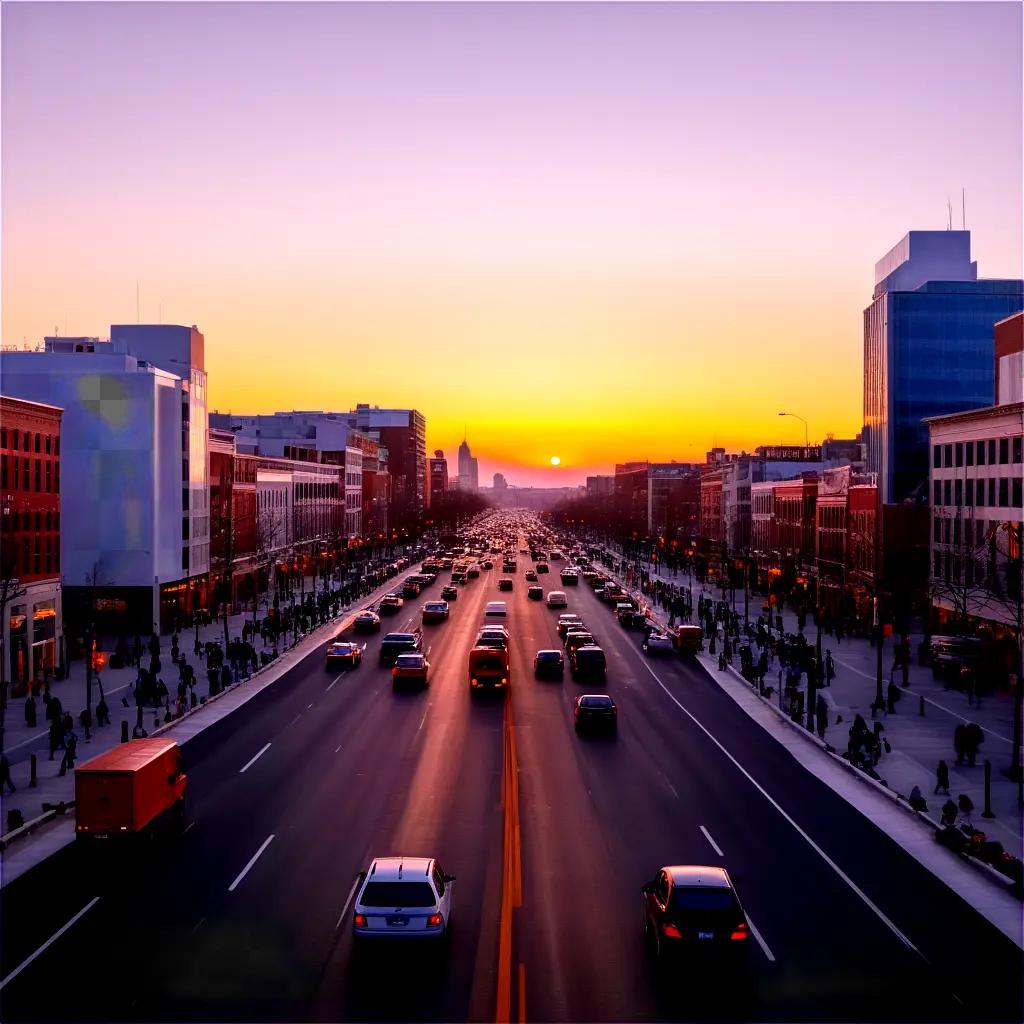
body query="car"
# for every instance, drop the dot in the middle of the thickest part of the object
(530, 576)
(587, 662)
(492, 636)
(435, 611)
(570, 578)
(578, 638)
(557, 599)
(535, 593)
(658, 642)
(595, 712)
(410, 669)
(567, 621)
(343, 654)
(410, 588)
(693, 911)
(488, 564)
(504, 584)
(543, 567)
(548, 663)
(402, 898)
(489, 667)
(395, 644)
(366, 621)
(450, 593)
(496, 610)
(508, 566)
(473, 571)
(390, 604)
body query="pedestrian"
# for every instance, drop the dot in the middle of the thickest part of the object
(942, 778)
(5, 774)
(948, 819)
(892, 694)
(102, 712)
(30, 711)
(917, 800)
(56, 738)
(85, 721)
(960, 742)
(70, 749)
(830, 667)
(55, 709)
(974, 737)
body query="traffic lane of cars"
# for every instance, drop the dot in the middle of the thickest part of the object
(921, 906)
(651, 791)
(216, 778)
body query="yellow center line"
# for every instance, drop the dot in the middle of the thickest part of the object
(511, 877)
(522, 993)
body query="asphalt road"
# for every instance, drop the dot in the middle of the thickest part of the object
(550, 837)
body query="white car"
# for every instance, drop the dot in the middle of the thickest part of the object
(557, 599)
(658, 643)
(496, 610)
(403, 898)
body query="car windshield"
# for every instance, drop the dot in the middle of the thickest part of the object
(548, 655)
(410, 661)
(702, 898)
(398, 894)
(596, 702)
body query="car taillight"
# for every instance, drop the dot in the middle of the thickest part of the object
(435, 921)
(504, 680)
(740, 932)
(670, 931)
(359, 920)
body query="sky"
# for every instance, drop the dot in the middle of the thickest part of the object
(602, 232)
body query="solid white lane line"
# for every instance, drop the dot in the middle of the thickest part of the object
(810, 842)
(255, 857)
(49, 942)
(714, 845)
(348, 902)
(295, 719)
(329, 688)
(252, 760)
(760, 940)
(337, 748)
(188, 828)
(309, 706)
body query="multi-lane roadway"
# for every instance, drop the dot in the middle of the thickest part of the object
(247, 915)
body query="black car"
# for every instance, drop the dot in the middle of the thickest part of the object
(587, 662)
(535, 593)
(595, 712)
(449, 593)
(548, 663)
(395, 644)
(505, 584)
(691, 912)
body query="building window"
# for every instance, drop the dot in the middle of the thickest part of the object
(958, 493)
(992, 492)
(1004, 492)
(947, 492)
(981, 453)
(992, 451)
(38, 474)
(38, 443)
(936, 456)
(1004, 451)
(1017, 445)
(947, 455)
(970, 490)
(3, 437)
(14, 440)
(27, 446)
(970, 453)
(959, 453)
(48, 443)
(1018, 486)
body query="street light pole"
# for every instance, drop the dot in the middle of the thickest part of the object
(802, 420)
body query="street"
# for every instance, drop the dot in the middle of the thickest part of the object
(550, 835)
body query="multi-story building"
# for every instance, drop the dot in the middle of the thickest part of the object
(403, 432)
(600, 486)
(673, 501)
(794, 519)
(928, 350)
(469, 471)
(712, 526)
(438, 477)
(1008, 336)
(135, 534)
(630, 494)
(30, 566)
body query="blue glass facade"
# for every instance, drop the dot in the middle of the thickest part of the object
(927, 352)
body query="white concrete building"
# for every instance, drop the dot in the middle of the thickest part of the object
(135, 485)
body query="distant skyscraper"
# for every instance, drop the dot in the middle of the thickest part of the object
(500, 484)
(468, 469)
(928, 350)
(438, 476)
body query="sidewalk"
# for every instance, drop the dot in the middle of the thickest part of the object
(918, 741)
(21, 741)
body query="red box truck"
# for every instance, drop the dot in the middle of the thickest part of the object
(128, 789)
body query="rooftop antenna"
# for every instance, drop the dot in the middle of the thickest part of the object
(949, 214)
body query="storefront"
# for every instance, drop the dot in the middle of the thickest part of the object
(33, 637)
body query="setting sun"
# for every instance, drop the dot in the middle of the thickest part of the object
(555, 460)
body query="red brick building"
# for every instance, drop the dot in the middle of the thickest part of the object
(30, 540)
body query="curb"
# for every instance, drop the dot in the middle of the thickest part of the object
(30, 826)
(1006, 883)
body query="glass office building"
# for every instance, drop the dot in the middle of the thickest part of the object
(928, 351)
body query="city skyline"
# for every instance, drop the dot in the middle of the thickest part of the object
(572, 189)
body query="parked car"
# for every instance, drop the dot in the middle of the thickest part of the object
(949, 654)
